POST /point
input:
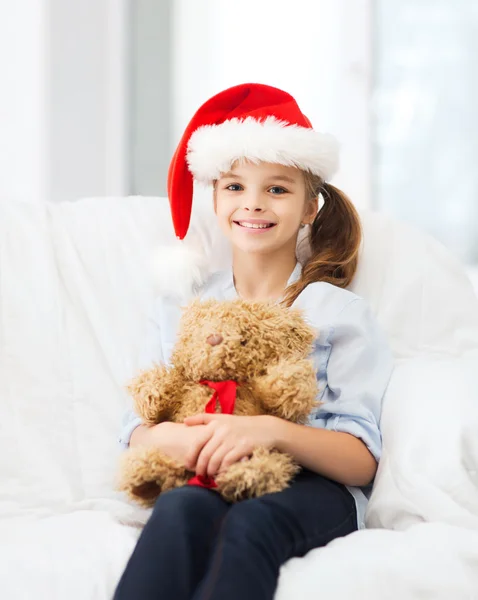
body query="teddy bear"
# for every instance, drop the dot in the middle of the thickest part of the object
(238, 357)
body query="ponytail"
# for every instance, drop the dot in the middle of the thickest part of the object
(335, 238)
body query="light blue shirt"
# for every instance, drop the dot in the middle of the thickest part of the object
(352, 359)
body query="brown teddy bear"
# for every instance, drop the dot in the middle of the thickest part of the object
(231, 356)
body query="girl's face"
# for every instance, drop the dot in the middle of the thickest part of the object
(260, 207)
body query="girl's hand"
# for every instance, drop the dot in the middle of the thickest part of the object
(178, 441)
(230, 439)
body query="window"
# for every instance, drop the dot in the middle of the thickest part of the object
(425, 117)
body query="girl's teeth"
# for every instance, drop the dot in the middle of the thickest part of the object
(254, 225)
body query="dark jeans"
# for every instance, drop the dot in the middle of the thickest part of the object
(197, 546)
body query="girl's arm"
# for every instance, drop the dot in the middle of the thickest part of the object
(174, 439)
(142, 435)
(345, 441)
(334, 454)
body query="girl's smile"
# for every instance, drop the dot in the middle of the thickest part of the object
(255, 226)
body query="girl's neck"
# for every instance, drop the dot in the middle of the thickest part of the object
(261, 277)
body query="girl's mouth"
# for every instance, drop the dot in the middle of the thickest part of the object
(255, 226)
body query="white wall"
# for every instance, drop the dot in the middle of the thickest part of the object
(318, 50)
(62, 98)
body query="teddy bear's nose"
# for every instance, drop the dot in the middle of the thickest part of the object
(215, 339)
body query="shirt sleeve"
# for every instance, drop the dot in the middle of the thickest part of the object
(358, 371)
(150, 353)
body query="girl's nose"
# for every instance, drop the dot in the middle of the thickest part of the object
(254, 202)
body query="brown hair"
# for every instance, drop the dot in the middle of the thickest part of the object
(335, 237)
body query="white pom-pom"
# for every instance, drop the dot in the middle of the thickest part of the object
(178, 270)
(180, 267)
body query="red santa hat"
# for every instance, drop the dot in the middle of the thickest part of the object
(251, 121)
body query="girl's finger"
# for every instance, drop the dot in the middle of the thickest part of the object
(235, 455)
(202, 419)
(196, 448)
(205, 455)
(216, 460)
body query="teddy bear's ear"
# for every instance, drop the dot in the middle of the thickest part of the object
(299, 327)
(300, 335)
(196, 309)
(190, 313)
(193, 305)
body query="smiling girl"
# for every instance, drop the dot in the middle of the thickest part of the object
(268, 168)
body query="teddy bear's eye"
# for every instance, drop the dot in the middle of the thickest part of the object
(243, 342)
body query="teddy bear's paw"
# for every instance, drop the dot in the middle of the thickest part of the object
(152, 395)
(146, 472)
(291, 391)
(266, 472)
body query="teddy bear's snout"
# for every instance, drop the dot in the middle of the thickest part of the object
(215, 339)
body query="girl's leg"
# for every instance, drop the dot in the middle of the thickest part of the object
(257, 536)
(173, 550)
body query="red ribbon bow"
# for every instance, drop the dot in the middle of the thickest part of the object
(225, 394)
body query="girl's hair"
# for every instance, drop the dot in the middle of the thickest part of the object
(335, 237)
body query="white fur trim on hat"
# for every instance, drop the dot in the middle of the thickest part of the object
(212, 149)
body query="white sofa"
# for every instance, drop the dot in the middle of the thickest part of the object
(75, 290)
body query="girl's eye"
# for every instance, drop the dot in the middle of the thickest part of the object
(234, 187)
(277, 190)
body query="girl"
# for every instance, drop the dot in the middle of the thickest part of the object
(268, 168)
